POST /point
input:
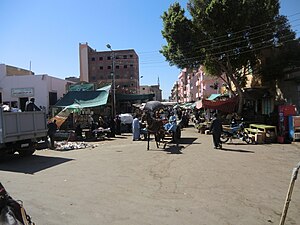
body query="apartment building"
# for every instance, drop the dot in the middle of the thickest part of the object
(194, 85)
(100, 66)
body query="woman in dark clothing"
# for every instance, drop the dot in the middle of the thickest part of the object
(118, 125)
(112, 126)
(216, 129)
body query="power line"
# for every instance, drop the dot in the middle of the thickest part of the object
(222, 52)
(237, 32)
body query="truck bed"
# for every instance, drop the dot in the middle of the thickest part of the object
(17, 126)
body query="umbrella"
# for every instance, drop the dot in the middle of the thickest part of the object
(126, 118)
(153, 105)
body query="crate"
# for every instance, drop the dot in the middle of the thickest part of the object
(259, 138)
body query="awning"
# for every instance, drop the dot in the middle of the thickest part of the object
(105, 88)
(83, 99)
(213, 96)
(227, 105)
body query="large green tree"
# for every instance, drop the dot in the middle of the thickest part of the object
(226, 36)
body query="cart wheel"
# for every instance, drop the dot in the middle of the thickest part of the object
(246, 138)
(224, 138)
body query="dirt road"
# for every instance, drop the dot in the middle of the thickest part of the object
(119, 182)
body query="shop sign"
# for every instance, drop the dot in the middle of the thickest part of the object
(82, 87)
(22, 92)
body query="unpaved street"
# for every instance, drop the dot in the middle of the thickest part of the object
(119, 182)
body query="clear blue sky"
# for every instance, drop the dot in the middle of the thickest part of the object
(47, 33)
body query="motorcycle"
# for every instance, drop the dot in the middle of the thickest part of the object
(237, 131)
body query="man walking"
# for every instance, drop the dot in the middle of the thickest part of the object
(216, 130)
(136, 129)
(52, 127)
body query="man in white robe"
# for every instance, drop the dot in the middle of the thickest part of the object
(136, 129)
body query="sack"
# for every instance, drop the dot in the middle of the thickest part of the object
(12, 212)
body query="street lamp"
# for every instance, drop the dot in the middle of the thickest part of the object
(113, 82)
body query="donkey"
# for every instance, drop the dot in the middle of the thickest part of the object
(155, 127)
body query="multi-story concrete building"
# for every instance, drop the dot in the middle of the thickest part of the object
(152, 89)
(18, 85)
(194, 85)
(99, 66)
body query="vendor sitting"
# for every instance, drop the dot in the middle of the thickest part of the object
(78, 132)
(171, 125)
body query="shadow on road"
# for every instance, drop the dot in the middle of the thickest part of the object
(31, 164)
(187, 141)
(173, 149)
(235, 150)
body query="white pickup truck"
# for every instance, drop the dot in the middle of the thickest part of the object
(20, 131)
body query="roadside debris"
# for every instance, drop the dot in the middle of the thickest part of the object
(66, 145)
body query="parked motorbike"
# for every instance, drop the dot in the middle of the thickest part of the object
(235, 132)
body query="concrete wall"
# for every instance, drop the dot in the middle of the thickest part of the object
(36, 86)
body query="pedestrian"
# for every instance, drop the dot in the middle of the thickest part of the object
(112, 126)
(118, 124)
(52, 127)
(31, 106)
(78, 132)
(216, 130)
(136, 129)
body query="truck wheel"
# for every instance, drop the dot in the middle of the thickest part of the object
(26, 152)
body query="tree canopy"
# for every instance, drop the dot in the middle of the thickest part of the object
(226, 36)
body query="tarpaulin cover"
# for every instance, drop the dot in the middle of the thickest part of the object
(83, 99)
(213, 96)
(227, 105)
(105, 88)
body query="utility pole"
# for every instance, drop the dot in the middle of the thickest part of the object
(113, 82)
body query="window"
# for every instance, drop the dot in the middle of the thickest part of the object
(108, 58)
(117, 67)
(125, 66)
(131, 65)
(131, 56)
(132, 84)
(101, 67)
(93, 58)
(124, 56)
(100, 58)
(109, 67)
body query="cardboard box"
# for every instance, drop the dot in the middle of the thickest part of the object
(258, 138)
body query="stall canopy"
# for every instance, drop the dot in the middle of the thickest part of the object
(83, 99)
(227, 105)
(213, 96)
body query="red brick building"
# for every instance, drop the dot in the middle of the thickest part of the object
(97, 67)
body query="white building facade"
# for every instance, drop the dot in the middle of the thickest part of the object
(16, 90)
